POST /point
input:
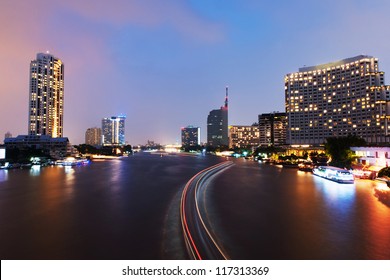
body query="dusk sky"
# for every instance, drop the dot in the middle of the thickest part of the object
(165, 63)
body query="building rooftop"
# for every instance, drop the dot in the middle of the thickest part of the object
(333, 64)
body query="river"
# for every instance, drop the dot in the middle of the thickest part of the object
(128, 209)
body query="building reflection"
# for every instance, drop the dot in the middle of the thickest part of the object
(3, 175)
(35, 170)
(334, 191)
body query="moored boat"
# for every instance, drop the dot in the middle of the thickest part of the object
(333, 173)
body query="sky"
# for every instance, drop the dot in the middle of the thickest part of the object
(165, 63)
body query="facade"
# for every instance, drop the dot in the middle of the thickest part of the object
(113, 130)
(56, 147)
(374, 157)
(190, 136)
(272, 129)
(243, 136)
(93, 136)
(337, 99)
(46, 96)
(2, 152)
(217, 126)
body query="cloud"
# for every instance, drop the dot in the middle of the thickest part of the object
(150, 13)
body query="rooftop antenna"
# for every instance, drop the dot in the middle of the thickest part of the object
(226, 97)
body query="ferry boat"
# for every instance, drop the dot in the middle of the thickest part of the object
(336, 174)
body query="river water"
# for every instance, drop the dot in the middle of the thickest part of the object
(127, 209)
(270, 212)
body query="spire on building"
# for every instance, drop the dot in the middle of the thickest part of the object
(226, 97)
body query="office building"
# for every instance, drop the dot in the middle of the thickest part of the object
(46, 96)
(272, 129)
(243, 136)
(93, 136)
(217, 125)
(113, 130)
(190, 136)
(337, 99)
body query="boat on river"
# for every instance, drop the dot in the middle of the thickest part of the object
(333, 173)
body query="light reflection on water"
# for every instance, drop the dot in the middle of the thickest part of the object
(35, 170)
(3, 175)
(334, 192)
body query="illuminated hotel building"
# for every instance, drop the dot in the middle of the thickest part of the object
(190, 136)
(113, 130)
(272, 128)
(337, 99)
(46, 96)
(243, 136)
(93, 136)
(217, 125)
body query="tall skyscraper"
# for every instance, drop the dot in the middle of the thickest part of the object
(190, 136)
(46, 96)
(273, 128)
(338, 99)
(93, 136)
(113, 130)
(217, 125)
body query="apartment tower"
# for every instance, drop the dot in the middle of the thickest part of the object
(46, 96)
(190, 136)
(272, 128)
(113, 130)
(93, 136)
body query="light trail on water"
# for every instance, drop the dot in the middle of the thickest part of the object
(199, 241)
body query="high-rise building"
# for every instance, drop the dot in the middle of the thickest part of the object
(243, 136)
(190, 136)
(338, 99)
(93, 136)
(46, 96)
(272, 128)
(113, 130)
(217, 125)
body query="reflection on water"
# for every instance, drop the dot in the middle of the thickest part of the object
(35, 170)
(335, 192)
(298, 215)
(382, 192)
(116, 209)
(115, 175)
(3, 175)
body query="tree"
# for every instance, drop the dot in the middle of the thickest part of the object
(384, 172)
(339, 149)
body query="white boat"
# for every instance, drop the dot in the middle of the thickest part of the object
(334, 173)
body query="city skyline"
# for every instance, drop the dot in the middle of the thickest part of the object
(165, 66)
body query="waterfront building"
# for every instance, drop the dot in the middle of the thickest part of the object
(58, 147)
(217, 125)
(93, 136)
(113, 130)
(244, 136)
(46, 96)
(2, 152)
(338, 99)
(374, 158)
(190, 136)
(272, 129)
